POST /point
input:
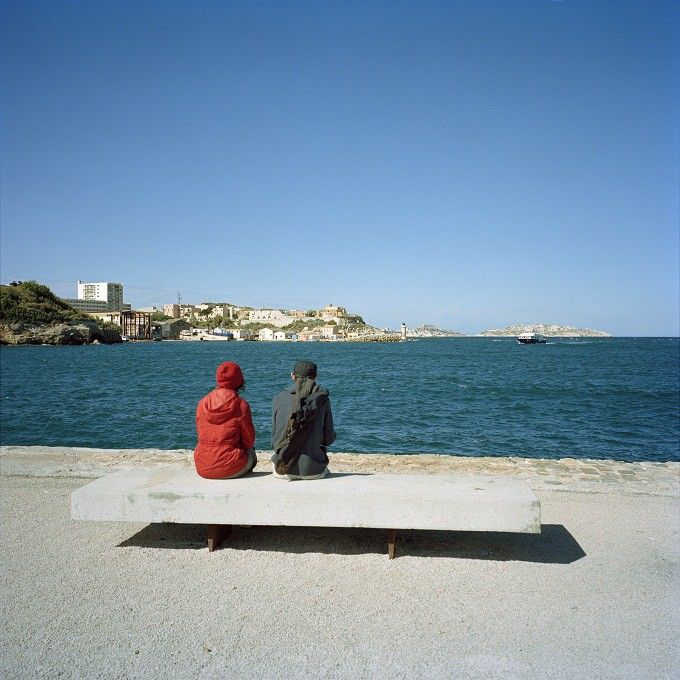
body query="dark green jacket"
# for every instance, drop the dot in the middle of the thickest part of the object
(313, 459)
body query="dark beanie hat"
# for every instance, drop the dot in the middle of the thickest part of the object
(229, 375)
(305, 369)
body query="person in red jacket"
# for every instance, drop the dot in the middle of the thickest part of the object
(226, 435)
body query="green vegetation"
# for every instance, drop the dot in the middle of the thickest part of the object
(354, 320)
(300, 324)
(31, 302)
(159, 316)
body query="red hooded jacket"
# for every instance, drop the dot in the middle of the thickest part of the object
(225, 427)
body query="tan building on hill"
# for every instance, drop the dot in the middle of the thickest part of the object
(172, 311)
(220, 311)
(332, 312)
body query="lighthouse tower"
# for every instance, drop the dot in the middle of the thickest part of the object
(403, 331)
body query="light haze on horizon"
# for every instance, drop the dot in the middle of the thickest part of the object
(467, 164)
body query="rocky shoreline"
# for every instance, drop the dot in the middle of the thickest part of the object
(80, 332)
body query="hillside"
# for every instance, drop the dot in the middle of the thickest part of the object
(548, 330)
(30, 314)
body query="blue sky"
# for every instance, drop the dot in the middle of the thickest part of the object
(469, 164)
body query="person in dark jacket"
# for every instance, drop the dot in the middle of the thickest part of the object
(311, 460)
(226, 435)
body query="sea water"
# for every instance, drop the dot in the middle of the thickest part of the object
(586, 398)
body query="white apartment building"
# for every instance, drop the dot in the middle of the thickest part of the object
(103, 291)
(98, 297)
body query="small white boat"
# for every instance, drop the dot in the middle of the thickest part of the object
(530, 339)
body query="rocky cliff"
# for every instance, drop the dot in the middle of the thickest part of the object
(81, 332)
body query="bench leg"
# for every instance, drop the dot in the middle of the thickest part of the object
(391, 542)
(216, 534)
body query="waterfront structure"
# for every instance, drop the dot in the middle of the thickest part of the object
(403, 331)
(266, 334)
(308, 335)
(282, 335)
(240, 334)
(170, 330)
(136, 325)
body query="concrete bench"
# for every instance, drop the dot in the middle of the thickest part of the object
(342, 500)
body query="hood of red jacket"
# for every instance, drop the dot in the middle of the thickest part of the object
(219, 406)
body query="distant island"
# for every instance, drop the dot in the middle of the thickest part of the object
(548, 330)
(429, 331)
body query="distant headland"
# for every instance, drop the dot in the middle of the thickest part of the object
(30, 314)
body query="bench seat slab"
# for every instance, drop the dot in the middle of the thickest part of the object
(389, 501)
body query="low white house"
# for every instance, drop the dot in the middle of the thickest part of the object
(282, 335)
(266, 334)
(240, 334)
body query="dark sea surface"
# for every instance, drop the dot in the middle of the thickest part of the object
(586, 398)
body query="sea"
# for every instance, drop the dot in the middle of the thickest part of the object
(600, 398)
